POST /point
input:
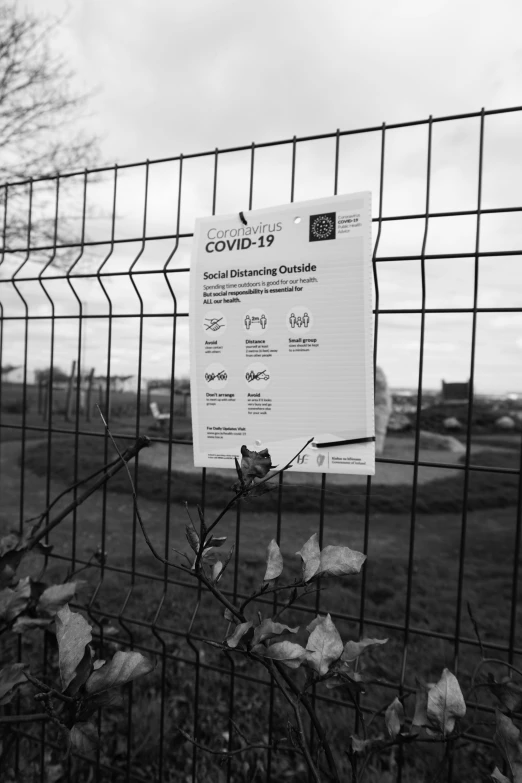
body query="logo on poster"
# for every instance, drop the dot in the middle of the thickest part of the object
(322, 227)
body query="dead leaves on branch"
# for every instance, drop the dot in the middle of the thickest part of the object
(445, 703)
(122, 669)
(254, 465)
(331, 561)
(274, 562)
(324, 645)
(394, 718)
(288, 653)
(11, 677)
(86, 683)
(268, 629)
(507, 739)
(73, 634)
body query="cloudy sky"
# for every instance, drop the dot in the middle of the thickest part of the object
(174, 77)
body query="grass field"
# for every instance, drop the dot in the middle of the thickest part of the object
(486, 490)
(122, 600)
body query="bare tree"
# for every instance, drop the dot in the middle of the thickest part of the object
(40, 119)
(7, 368)
(39, 111)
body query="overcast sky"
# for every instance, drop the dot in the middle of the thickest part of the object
(172, 77)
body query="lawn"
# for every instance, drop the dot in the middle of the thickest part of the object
(123, 599)
(443, 494)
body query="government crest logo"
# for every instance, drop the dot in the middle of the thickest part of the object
(322, 227)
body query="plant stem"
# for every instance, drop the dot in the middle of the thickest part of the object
(304, 745)
(47, 689)
(260, 746)
(127, 455)
(497, 661)
(313, 717)
(35, 716)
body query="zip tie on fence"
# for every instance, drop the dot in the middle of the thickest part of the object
(242, 218)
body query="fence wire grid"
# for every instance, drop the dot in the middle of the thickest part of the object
(94, 275)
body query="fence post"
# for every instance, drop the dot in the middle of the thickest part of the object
(45, 398)
(88, 399)
(39, 396)
(69, 398)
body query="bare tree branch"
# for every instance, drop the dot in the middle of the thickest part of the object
(42, 124)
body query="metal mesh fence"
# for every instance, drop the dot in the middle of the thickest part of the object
(93, 295)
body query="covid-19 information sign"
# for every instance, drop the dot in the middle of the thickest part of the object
(281, 335)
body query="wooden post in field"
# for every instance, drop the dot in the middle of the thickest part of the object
(47, 399)
(40, 391)
(88, 399)
(69, 398)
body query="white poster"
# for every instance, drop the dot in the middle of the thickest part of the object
(281, 335)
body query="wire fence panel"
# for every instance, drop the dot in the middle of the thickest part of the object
(94, 317)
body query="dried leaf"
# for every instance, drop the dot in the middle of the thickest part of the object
(24, 623)
(105, 699)
(228, 558)
(499, 777)
(324, 645)
(238, 634)
(83, 737)
(507, 739)
(256, 490)
(268, 629)
(352, 650)
(8, 543)
(217, 571)
(123, 668)
(56, 596)
(215, 542)
(350, 679)
(420, 718)
(192, 538)
(310, 554)
(340, 561)
(274, 561)
(315, 622)
(254, 464)
(445, 702)
(241, 482)
(13, 602)
(202, 522)
(31, 564)
(289, 653)
(54, 773)
(227, 614)
(11, 676)
(508, 692)
(394, 718)
(83, 671)
(8, 566)
(360, 745)
(73, 633)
